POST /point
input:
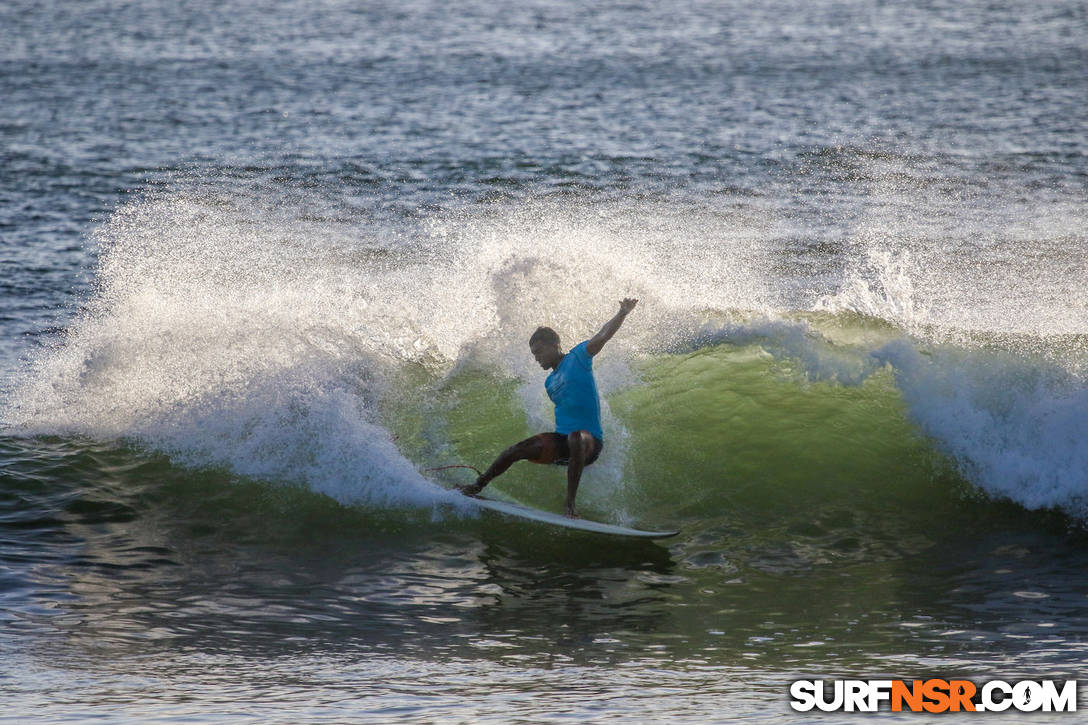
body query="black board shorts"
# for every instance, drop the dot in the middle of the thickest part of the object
(556, 449)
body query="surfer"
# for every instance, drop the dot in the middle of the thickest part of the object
(577, 440)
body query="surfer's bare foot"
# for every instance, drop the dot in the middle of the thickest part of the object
(471, 489)
(570, 512)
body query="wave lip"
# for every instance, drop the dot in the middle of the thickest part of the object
(1014, 421)
(1017, 427)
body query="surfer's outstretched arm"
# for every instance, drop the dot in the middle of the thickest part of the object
(597, 341)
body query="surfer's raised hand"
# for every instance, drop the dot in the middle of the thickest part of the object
(595, 343)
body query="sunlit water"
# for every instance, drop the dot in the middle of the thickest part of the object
(269, 265)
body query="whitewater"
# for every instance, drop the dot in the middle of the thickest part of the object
(237, 331)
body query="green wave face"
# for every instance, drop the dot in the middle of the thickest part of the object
(737, 449)
(806, 493)
(730, 432)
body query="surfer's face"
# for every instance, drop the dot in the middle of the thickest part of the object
(545, 353)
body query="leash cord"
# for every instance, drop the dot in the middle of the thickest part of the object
(443, 468)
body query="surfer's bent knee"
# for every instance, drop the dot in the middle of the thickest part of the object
(556, 447)
(582, 440)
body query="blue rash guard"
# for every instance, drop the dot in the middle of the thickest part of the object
(574, 391)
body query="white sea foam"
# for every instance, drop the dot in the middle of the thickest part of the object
(229, 331)
(226, 331)
(225, 343)
(1015, 424)
(1017, 427)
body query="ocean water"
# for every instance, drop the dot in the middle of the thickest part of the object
(267, 265)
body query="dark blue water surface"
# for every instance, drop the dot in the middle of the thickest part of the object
(263, 262)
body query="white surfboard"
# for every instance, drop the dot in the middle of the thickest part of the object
(546, 517)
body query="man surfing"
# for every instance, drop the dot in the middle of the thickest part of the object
(577, 441)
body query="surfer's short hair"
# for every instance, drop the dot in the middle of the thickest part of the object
(546, 335)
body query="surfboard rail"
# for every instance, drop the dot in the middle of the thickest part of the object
(547, 517)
